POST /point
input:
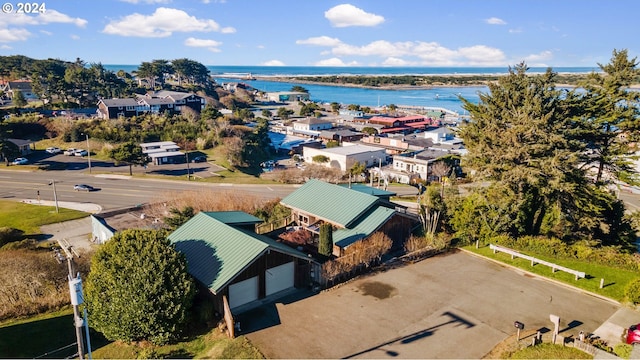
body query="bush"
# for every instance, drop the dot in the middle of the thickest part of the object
(8, 234)
(623, 350)
(632, 292)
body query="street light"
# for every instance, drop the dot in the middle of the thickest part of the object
(88, 152)
(379, 171)
(55, 195)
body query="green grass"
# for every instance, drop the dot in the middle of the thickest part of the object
(38, 335)
(42, 334)
(550, 351)
(29, 218)
(615, 280)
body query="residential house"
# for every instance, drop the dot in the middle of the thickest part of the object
(345, 156)
(354, 213)
(408, 169)
(163, 152)
(239, 267)
(287, 96)
(311, 126)
(159, 102)
(341, 135)
(23, 86)
(24, 146)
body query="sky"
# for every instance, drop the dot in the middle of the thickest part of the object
(399, 33)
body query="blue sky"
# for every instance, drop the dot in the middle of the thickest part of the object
(325, 32)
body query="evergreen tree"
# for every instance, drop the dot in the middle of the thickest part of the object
(325, 243)
(131, 154)
(611, 119)
(139, 288)
(523, 141)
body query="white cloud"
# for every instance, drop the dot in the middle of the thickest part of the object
(335, 62)
(320, 41)
(539, 59)
(394, 61)
(162, 23)
(45, 32)
(228, 30)
(273, 63)
(345, 15)
(495, 21)
(74, 37)
(515, 31)
(260, 47)
(48, 17)
(147, 1)
(482, 55)
(11, 35)
(5, 47)
(211, 45)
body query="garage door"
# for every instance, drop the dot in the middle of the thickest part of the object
(279, 278)
(243, 292)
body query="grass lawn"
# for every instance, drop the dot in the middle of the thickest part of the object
(550, 351)
(41, 335)
(615, 280)
(29, 218)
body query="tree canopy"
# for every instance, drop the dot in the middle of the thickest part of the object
(138, 288)
(524, 140)
(131, 154)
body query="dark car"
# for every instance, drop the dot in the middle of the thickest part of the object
(83, 187)
(633, 334)
(199, 159)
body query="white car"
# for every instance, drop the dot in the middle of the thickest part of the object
(81, 152)
(70, 151)
(53, 150)
(20, 161)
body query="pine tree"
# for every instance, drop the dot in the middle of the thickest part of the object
(325, 243)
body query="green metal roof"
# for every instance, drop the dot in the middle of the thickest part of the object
(333, 203)
(369, 190)
(234, 217)
(216, 252)
(369, 223)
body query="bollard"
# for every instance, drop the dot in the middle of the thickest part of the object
(601, 283)
(477, 241)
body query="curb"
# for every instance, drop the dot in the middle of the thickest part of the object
(538, 276)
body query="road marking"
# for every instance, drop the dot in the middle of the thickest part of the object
(270, 189)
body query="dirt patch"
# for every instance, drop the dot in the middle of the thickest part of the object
(377, 289)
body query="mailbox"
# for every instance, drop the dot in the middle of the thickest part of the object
(518, 325)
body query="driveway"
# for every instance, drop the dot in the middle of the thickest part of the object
(450, 306)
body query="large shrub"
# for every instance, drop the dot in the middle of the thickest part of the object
(632, 292)
(8, 234)
(139, 288)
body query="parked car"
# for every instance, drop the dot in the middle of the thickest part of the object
(83, 187)
(633, 334)
(199, 159)
(70, 151)
(20, 161)
(81, 152)
(53, 150)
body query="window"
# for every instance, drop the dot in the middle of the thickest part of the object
(303, 219)
(131, 108)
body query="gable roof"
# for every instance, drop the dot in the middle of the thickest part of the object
(217, 253)
(369, 190)
(119, 102)
(332, 203)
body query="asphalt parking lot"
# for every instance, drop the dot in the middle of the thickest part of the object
(451, 306)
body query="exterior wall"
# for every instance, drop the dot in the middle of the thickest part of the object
(346, 161)
(412, 165)
(335, 160)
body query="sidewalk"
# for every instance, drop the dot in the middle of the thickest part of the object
(86, 207)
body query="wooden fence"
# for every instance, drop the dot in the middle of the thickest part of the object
(554, 267)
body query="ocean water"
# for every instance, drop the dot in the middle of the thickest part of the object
(444, 97)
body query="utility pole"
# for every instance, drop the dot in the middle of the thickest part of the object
(379, 171)
(88, 153)
(186, 154)
(55, 194)
(77, 298)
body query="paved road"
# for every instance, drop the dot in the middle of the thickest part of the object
(454, 306)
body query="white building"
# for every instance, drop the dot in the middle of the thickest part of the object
(418, 167)
(344, 157)
(163, 152)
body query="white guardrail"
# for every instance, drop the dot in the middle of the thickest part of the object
(554, 267)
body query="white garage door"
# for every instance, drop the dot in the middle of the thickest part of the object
(279, 278)
(243, 292)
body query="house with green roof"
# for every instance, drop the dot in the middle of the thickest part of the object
(239, 267)
(355, 213)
